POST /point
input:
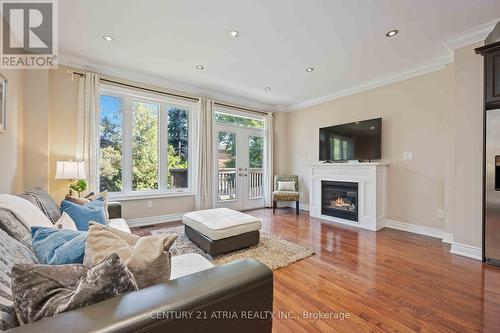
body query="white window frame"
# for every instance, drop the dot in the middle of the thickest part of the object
(128, 95)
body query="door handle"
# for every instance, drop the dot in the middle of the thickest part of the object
(240, 174)
(246, 174)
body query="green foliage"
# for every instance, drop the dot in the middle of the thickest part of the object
(178, 133)
(79, 186)
(256, 151)
(111, 170)
(145, 147)
(228, 141)
(111, 153)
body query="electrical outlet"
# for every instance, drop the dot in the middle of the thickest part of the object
(408, 155)
(440, 213)
(150, 204)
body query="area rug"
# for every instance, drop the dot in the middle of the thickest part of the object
(272, 251)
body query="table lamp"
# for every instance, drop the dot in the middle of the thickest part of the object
(74, 171)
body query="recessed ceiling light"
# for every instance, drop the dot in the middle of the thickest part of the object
(392, 33)
(267, 88)
(108, 38)
(309, 69)
(200, 67)
(234, 33)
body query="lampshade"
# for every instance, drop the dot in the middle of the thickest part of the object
(70, 170)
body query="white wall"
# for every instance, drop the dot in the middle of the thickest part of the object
(415, 114)
(468, 147)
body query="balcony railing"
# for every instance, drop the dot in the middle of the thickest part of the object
(179, 178)
(227, 183)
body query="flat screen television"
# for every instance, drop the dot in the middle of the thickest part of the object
(361, 140)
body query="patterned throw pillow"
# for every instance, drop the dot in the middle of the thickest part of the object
(140, 254)
(43, 290)
(286, 186)
(14, 228)
(11, 252)
(40, 198)
(58, 246)
(82, 215)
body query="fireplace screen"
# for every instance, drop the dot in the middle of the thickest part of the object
(340, 199)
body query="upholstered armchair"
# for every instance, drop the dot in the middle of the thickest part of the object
(286, 194)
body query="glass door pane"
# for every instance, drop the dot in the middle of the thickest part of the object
(226, 162)
(256, 167)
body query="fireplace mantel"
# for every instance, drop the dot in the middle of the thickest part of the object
(371, 179)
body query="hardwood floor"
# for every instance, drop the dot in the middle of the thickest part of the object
(389, 281)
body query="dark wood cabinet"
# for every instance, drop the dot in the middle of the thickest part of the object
(492, 79)
(491, 53)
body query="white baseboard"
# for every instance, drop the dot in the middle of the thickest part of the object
(145, 221)
(467, 251)
(414, 228)
(447, 238)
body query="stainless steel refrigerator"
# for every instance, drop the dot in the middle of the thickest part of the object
(492, 188)
(491, 227)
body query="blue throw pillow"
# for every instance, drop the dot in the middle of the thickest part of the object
(54, 246)
(83, 214)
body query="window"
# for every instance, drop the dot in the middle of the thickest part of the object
(145, 144)
(231, 119)
(110, 144)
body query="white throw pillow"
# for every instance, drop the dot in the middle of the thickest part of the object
(26, 212)
(66, 222)
(286, 186)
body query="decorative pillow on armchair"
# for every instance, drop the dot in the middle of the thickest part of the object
(82, 215)
(148, 258)
(286, 186)
(43, 290)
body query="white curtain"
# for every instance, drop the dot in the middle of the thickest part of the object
(205, 173)
(268, 162)
(88, 126)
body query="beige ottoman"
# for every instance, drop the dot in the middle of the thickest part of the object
(222, 230)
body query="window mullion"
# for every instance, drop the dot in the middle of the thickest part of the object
(127, 146)
(163, 148)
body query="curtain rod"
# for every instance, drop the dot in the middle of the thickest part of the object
(139, 87)
(171, 94)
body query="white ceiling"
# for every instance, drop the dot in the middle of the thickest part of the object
(342, 39)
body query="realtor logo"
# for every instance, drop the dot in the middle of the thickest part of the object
(29, 34)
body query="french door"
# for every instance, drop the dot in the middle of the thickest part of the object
(240, 167)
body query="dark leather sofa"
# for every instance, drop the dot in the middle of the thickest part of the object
(235, 297)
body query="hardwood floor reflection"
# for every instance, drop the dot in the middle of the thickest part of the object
(389, 281)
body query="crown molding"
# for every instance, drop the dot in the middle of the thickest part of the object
(435, 64)
(450, 44)
(472, 36)
(66, 59)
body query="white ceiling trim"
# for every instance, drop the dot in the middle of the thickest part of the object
(477, 34)
(452, 43)
(176, 87)
(428, 67)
